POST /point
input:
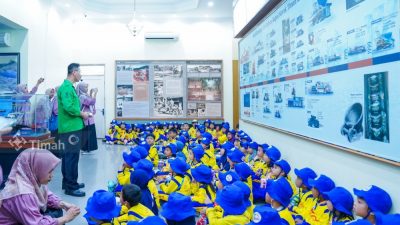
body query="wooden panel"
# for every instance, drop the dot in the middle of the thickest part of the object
(235, 78)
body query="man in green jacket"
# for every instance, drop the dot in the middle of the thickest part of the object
(70, 125)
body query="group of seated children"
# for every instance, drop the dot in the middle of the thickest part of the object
(181, 174)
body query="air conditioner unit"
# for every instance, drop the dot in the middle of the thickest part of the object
(5, 39)
(161, 36)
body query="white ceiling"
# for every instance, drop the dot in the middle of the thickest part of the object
(120, 9)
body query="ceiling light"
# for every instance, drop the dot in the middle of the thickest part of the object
(210, 4)
(135, 26)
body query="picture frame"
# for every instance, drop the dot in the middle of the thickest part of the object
(9, 71)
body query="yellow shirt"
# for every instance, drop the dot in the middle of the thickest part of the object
(222, 139)
(215, 217)
(154, 191)
(135, 213)
(204, 195)
(212, 132)
(259, 166)
(124, 176)
(212, 161)
(192, 132)
(153, 156)
(120, 132)
(305, 203)
(287, 216)
(177, 184)
(318, 215)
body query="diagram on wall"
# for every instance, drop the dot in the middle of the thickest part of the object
(321, 69)
(161, 89)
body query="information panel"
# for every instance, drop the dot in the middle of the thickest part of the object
(327, 70)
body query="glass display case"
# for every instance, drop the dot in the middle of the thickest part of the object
(28, 115)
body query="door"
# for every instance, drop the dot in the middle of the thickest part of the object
(95, 78)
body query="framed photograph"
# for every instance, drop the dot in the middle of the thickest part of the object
(9, 71)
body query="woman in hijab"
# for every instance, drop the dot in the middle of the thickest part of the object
(25, 198)
(53, 124)
(89, 138)
(141, 178)
(42, 110)
(25, 107)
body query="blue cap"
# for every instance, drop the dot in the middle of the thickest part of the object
(246, 138)
(244, 144)
(144, 145)
(266, 215)
(179, 146)
(341, 199)
(246, 192)
(322, 184)
(171, 146)
(198, 152)
(202, 174)
(231, 200)
(382, 219)
(235, 155)
(227, 146)
(128, 126)
(207, 121)
(377, 199)
(243, 170)
(201, 128)
(178, 207)
(281, 191)
(228, 178)
(205, 141)
(151, 220)
(253, 145)
(131, 157)
(102, 205)
(273, 153)
(232, 131)
(162, 137)
(179, 166)
(181, 155)
(141, 150)
(226, 126)
(284, 165)
(265, 146)
(146, 165)
(305, 174)
(355, 222)
(182, 139)
(207, 135)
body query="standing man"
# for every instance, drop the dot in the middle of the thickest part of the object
(70, 125)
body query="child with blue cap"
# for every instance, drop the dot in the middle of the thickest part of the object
(147, 166)
(222, 138)
(223, 158)
(111, 136)
(170, 153)
(101, 208)
(230, 209)
(246, 198)
(179, 210)
(266, 215)
(129, 136)
(130, 198)
(141, 178)
(179, 182)
(142, 149)
(304, 188)
(121, 132)
(211, 129)
(317, 210)
(192, 130)
(235, 156)
(372, 201)
(208, 152)
(231, 135)
(172, 133)
(196, 156)
(340, 203)
(251, 152)
(226, 179)
(245, 173)
(124, 174)
(278, 194)
(153, 152)
(281, 169)
(205, 194)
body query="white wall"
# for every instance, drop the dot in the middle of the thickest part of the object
(56, 41)
(346, 169)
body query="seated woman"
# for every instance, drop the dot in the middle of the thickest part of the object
(25, 198)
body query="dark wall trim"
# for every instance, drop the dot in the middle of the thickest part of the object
(258, 17)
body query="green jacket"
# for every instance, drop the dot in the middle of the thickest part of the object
(69, 113)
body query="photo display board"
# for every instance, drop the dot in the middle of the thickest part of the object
(327, 70)
(169, 89)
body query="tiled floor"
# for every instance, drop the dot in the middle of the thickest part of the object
(94, 170)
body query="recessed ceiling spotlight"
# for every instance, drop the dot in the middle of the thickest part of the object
(210, 4)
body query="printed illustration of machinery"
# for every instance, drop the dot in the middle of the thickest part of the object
(320, 88)
(321, 11)
(352, 127)
(313, 122)
(295, 102)
(376, 120)
(384, 41)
